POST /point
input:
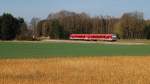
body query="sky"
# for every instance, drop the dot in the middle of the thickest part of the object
(42, 8)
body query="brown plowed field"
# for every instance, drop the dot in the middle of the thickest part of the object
(82, 70)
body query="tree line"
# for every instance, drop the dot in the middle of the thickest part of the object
(60, 25)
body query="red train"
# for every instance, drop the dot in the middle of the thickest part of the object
(103, 37)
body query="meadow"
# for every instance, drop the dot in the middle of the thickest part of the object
(51, 49)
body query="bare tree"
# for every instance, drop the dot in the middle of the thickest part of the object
(34, 22)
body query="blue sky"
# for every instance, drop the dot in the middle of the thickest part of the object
(41, 8)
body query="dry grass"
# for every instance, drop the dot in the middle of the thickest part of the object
(88, 70)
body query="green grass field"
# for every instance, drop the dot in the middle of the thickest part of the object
(44, 50)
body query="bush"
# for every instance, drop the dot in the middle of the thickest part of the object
(27, 38)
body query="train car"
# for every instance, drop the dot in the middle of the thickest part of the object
(97, 37)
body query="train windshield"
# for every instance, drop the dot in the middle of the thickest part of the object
(114, 37)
